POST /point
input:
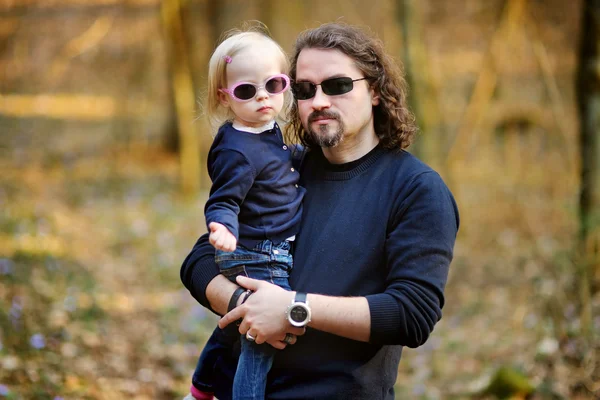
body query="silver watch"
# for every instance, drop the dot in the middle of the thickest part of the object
(298, 313)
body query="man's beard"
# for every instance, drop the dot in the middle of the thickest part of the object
(321, 137)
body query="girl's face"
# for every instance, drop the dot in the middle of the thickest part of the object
(255, 65)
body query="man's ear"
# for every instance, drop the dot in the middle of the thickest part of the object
(374, 97)
(223, 99)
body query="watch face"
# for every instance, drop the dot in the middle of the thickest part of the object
(298, 314)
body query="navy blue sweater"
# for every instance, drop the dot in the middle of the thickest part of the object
(384, 229)
(255, 191)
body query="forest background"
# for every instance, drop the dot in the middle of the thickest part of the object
(103, 182)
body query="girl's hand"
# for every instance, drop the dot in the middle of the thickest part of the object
(220, 237)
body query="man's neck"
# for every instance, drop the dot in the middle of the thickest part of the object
(351, 148)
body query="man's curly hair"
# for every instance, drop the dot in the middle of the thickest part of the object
(394, 122)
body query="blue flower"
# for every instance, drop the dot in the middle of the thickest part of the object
(4, 390)
(37, 341)
(15, 308)
(15, 312)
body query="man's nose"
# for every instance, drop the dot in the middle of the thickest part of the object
(321, 100)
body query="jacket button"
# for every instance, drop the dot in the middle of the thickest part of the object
(284, 147)
(292, 169)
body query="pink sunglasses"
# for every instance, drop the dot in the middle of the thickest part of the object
(246, 91)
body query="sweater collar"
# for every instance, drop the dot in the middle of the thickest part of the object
(249, 129)
(338, 172)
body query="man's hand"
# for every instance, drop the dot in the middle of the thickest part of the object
(221, 238)
(263, 313)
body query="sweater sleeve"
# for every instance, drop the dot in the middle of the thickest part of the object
(198, 269)
(232, 177)
(419, 248)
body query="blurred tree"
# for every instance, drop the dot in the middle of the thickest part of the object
(423, 97)
(183, 93)
(588, 99)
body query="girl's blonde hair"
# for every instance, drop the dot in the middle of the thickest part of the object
(232, 42)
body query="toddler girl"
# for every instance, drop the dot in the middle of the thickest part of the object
(255, 203)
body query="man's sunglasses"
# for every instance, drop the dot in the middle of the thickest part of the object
(246, 91)
(331, 87)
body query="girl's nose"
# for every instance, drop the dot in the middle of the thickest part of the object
(262, 94)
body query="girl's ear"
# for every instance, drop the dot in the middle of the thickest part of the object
(223, 99)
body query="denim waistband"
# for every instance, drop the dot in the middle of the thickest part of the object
(267, 246)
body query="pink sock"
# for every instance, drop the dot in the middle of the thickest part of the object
(199, 395)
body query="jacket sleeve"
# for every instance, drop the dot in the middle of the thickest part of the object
(232, 177)
(419, 248)
(198, 269)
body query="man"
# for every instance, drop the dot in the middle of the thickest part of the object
(377, 236)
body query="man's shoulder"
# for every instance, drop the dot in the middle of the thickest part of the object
(411, 171)
(404, 156)
(407, 163)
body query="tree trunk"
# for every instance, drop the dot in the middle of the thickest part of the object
(588, 99)
(423, 97)
(184, 96)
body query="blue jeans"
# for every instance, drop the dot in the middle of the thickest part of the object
(268, 262)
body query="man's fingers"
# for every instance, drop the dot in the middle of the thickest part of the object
(290, 338)
(232, 316)
(279, 345)
(248, 283)
(297, 331)
(244, 327)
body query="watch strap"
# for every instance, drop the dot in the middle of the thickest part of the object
(234, 298)
(300, 297)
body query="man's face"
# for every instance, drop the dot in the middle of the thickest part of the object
(331, 119)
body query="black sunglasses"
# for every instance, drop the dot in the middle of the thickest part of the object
(331, 87)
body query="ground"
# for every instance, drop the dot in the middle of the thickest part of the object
(91, 305)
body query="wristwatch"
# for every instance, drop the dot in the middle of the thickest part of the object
(298, 313)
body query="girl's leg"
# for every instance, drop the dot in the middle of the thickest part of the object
(221, 341)
(251, 375)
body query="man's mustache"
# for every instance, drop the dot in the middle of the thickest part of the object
(322, 114)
